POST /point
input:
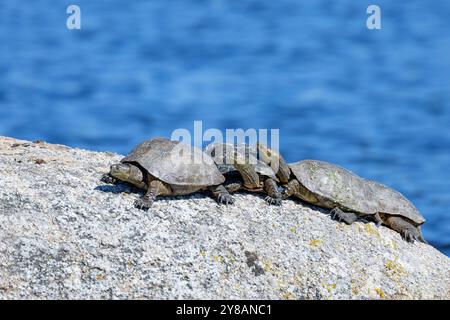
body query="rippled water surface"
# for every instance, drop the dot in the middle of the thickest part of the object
(376, 102)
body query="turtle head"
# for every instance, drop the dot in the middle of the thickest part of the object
(121, 171)
(284, 172)
(127, 172)
(275, 161)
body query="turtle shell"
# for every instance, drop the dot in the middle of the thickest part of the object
(223, 156)
(175, 163)
(336, 185)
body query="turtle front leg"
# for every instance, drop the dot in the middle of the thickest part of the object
(377, 219)
(221, 194)
(108, 178)
(150, 196)
(273, 194)
(339, 215)
(408, 231)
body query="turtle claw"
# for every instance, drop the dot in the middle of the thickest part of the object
(341, 216)
(225, 199)
(143, 204)
(377, 219)
(335, 215)
(106, 178)
(411, 235)
(273, 201)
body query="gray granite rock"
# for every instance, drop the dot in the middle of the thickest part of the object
(66, 235)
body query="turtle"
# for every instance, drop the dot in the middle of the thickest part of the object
(351, 197)
(243, 170)
(164, 167)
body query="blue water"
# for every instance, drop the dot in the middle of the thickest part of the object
(376, 102)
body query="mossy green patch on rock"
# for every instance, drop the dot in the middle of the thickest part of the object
(315, 242)
(380, 293)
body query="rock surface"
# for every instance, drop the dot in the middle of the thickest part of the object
(65, 235)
